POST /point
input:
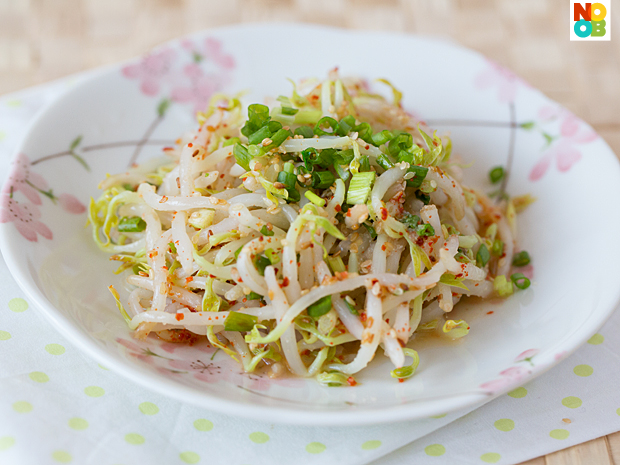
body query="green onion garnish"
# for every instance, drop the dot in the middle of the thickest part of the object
(382, 137)
(288, 179)
(278, 137)
(364, 163)
(402, 141)
(520, 281)
(322, 179)
(344, 174)
(272, 255)
(407, 371)
(231, 141)
(496, 174)
(242, 156)
(266, 231)
(351, 305)
(345, 125)
(326, 121)
(371, 230)
(289, 110)
(261, 263)
(315, 199)
(320, 307)
(359, 188)
(420, 173)
(254, 296)
(483, 256)
(258, 136)
(336, 264)
(425, 230)
(237, 252)
(131, 224)
(342, 157)
(521, 259)
(239, 322)
(173, 248)
(305, 131)
(258, 116)
(411, 221)
(364, 132)
(425, 198)
(497, 248)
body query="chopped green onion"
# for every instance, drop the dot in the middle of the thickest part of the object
(293, 195)
(131, 224)
(351, 305)
(371, 230)
(502, 286)
(305, 131)
(411, 221)
(242, 156)
(322, 179)
(237, 252)
(173, 249)
(520, 280)
(343, 157)
(289, 110)
(359, 188)
(258, 136)
(345, 125)
(288, 179)
(266, 231)
(496, 174)
(419, 172)
(483, 255)
(425, 230)
(382, 137)
(521, 259)
(407, 371)
(384, 162)
(277, 138)
(425, 198)
(364, 132)
(288, 168)
(239, 322)
(310, 157)
(467, 242)
(254, 296)
(336, 264)
(326, 121)
(497, 248)
(320, 307)
(272, 255)
(365, 163)
(344, 174)
(175, 265)
(261, 263)
(258, 116)
(231, 141)
(315, 199)
(402, 141)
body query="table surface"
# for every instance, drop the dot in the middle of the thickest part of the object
(41, 40)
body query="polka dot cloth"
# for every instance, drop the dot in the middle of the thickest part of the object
(55, 403)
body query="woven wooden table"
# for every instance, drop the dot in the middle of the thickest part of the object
(41, 40)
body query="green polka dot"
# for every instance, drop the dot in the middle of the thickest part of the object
(435, 450)
(14, 103)
(596, 339)
(2, 135)
(18, 305)
(505, 424)
(94, 391)
(618, 411)
(22, 406)
(439, 416)
(490, 457)
(78, 423)
(518, 393)
(571, 402)
(370, 445)
(134, 438)
(5, 335)
(6, 442)
(315, 448)
(583, 370)
(62, 456)
(148, 408)
(559, 434)
(203, 425)
(189, 457)
(55, 349)
(259, 438)
(39, 377)
(102, 367)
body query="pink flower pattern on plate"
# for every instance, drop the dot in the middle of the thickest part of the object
(496, 76)
(25, 217)
(513, 375)
(152, 70)
(21, 179)
(573, 132)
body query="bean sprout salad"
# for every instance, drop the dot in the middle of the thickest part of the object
(306, 234)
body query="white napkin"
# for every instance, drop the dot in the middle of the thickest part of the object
(58, 406)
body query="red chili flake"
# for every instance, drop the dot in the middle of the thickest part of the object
(384, 214)
(189, 279)
(490, 313)
(383, 247)
(190, 145)
(401, 380)
(179, 316)
(349, 213)
(351, 381)
(166, 149)
(367, 146)
(338, 208)
(363, 317)
(222, 176)
(285, 281)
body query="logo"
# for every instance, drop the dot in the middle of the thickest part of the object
(590, 21)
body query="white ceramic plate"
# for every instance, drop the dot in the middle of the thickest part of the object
(495, 119)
